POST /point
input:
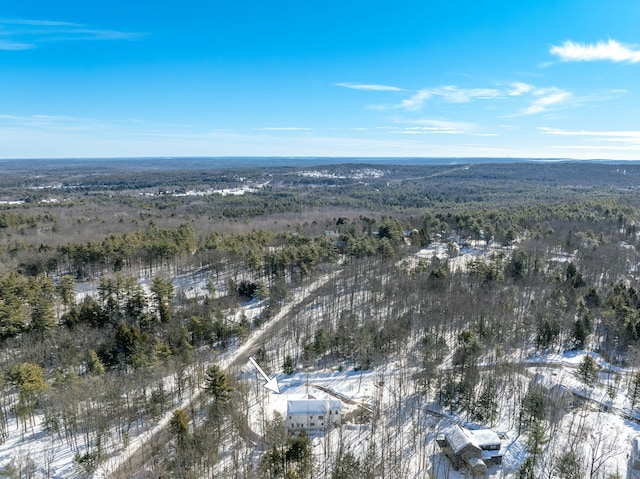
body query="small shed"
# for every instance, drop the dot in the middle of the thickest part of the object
(313, 415)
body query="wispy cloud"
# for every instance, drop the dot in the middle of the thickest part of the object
(520, 88)
(433, 126)
(546, 100)
(621, 136)
(284, 128)
(15, 46)
(611, 50)
(51, 123)
(531, 99)
(450, 94)
(416, 101)
(39, 23)
(26, 34)
(368, 87)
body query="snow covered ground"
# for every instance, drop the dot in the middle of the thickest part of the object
(402, 425)
(600, 428)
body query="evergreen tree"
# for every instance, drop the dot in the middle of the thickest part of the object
(587, 371)
(536, 438)
(526, 470)
(288, 365)
(94, 364)
(42, 316)
(66, 290)
(486, 409)
(179, 427)
(568, 466)
(217, 384)
(163, 293)
(347, 467)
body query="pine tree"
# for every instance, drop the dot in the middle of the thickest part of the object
(536, 438)
(179, 427)
(568, 466)
(42, 315)
(526, 470)
(288, 366)
(587, 371)
(94, 364)
(486, 409)
(217, 384)
(347, 467)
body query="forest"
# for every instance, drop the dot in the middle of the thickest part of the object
(420, 294)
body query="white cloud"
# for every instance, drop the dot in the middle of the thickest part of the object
(546, 102)
(450, 94)
(368, 87)
(15, 46)
(440, 126)
(284, 128)
(39, 23)
(416, 101)
(582, 52)
(93, 34)
(25, 34)
(428, 130)
(519, 88)
(622, 136)
(454, 94)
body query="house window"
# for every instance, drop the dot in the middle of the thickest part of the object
(312, 424)
(320, 416)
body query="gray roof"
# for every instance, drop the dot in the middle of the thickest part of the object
(456, 438)
(459, 438)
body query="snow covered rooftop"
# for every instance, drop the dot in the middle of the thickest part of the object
(484, 437)
(459, 438)
(312, 406)
(456, 438)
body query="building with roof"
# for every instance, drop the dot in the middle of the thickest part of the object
(313, 415)
(475, 450)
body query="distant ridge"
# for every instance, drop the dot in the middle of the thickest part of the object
(189, 162)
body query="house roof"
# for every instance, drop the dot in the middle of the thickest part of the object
(484, 437)
(456, 438)
(459, 438)
(312, 406)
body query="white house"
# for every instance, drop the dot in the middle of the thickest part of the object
(313, 415)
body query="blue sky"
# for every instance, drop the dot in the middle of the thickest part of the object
(551, 79)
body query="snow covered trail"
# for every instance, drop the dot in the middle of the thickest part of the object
(131, 455)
